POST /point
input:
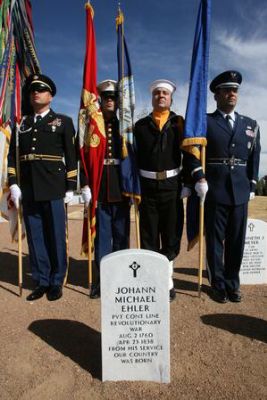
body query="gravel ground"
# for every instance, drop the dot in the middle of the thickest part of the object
(52, 350)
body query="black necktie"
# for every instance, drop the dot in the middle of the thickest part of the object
(228, 120)
(39, 118)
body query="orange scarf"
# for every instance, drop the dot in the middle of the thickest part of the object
(160, 118)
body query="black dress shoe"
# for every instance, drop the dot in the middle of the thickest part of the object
(235, 296)
(37, 293)
(95, 291)
(54, 293)
(172, 294)
(219, 295)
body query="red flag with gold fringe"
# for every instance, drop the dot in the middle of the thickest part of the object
(92, 137)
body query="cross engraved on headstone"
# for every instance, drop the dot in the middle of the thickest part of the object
(134, 266)
(251, 227)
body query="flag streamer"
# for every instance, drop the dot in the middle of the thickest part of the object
(18, 59)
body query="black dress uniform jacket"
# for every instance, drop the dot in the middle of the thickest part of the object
(48, 162)
(110, 190)
(160, 150)
(232, 159)
(110, 187)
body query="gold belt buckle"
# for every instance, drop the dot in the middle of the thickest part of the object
(161, 175)
(30, 157)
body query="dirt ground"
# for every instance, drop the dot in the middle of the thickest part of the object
(52, 350)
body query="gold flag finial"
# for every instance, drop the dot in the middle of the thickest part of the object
(120, 17)
(88, 5)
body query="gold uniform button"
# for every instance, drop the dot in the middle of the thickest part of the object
(109, 154)
(109, 147)
(109, 130)
(109, 141)
(33, 148)
(34, 139)
(35, 130)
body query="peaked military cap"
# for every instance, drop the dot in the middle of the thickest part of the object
(41, 82)
(163, 83)
(107, 87)
(226, 79)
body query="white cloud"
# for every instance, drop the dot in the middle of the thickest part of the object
(248, 55)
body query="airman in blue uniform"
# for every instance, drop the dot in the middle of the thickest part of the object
(232, 164)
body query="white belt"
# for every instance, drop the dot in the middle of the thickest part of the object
(111, 161)
(159, 175)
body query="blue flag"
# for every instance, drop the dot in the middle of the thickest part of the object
(196, 111)
(128, 166)
(196, 119)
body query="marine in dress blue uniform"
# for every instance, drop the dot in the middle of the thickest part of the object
(113, 209)
(232, 164)
(47, 171)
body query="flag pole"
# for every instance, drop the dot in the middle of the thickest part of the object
(20, 250)
(137, 225)
(136, 212)
(201, 227)
(67, 247)
(89, 244)
(20, 278)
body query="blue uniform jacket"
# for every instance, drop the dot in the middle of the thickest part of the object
(230, 182)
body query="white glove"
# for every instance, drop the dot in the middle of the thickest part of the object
(68, 196)
(15, 194)
(251, 196)
(186, 192)
(86, 195)
(201, 188)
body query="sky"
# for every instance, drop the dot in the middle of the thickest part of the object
(159, 36)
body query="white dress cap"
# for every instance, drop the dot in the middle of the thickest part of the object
(163, 83)
(109, 85)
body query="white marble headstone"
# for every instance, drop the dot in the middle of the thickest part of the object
(135, 316)
(254, 265)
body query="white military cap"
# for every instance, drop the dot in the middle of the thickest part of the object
(107, 85)
(163, 83)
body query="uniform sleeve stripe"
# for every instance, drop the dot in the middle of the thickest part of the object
(11, 171)
(195, 170)
(71, 174)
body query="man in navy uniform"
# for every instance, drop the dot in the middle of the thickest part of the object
(47, 173)
(157, 140)
(113, 209)
(233, 153)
